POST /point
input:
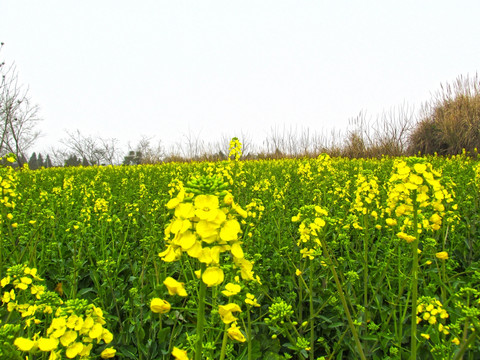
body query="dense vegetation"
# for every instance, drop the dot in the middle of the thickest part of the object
(338, 271)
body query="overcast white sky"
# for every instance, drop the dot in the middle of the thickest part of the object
(213, 68)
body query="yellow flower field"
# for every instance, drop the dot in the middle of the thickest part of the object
(324, 258)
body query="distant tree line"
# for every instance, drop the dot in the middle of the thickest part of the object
(37, 162)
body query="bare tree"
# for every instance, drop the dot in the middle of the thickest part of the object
(248, 147)
(110, 151)
(148, 153)
(193, 147)
(18, 116)
(94, 150)
(392, 130)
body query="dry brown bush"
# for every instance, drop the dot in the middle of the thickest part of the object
(451, 120)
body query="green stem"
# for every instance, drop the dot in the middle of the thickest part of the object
(413, 322)
(414, 301)
(365, 269)
(344, 302)
(398, 303)
(300, 300)
(249, 334)
(312, 314)
(200, 316)
(444, 284)
(140, 352)
(172, 336)
(288, 335)
(224, 343)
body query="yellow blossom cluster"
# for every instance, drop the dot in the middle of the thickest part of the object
(235, 149)
(226, 314)
(251, 300)
(430, 310)
(415, 188)
(204, 226)
(476, 168)
(101, 207)
(175, 287)
(305, 172)
(8, 194)
(226, 311)
(309, 229)
(76, 325)
(366, 198)
(72, 332)
(262, 185)
(20, 278)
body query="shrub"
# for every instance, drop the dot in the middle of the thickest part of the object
(451, 121)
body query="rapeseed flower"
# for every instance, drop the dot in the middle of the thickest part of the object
(231, 289)
(204, 227)
(213, 276)
(429, 309)
(226, 311)
(416, 189)
(160, 306)
(179, 354)
(251, 300)
(174, 287)
(24, 344)
(47, 344)
(74, 350)
(68, 338)
(234, 333)
(171, 253)
(235, 149)
(185, 240)
(206, 207)
(230, 230)
(442, 255)
(406, 237)
(108, 353)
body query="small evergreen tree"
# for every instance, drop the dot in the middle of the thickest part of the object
(32, 162)
(133, 158)
(72, 161)
(48, 162)
(40, 162)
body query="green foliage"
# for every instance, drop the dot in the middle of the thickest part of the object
(95, 233)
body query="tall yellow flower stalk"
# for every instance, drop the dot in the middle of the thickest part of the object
(416, 203)
(310, 245)
(204, 226)
(365, 209)
(8, 198)
(235, 149)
